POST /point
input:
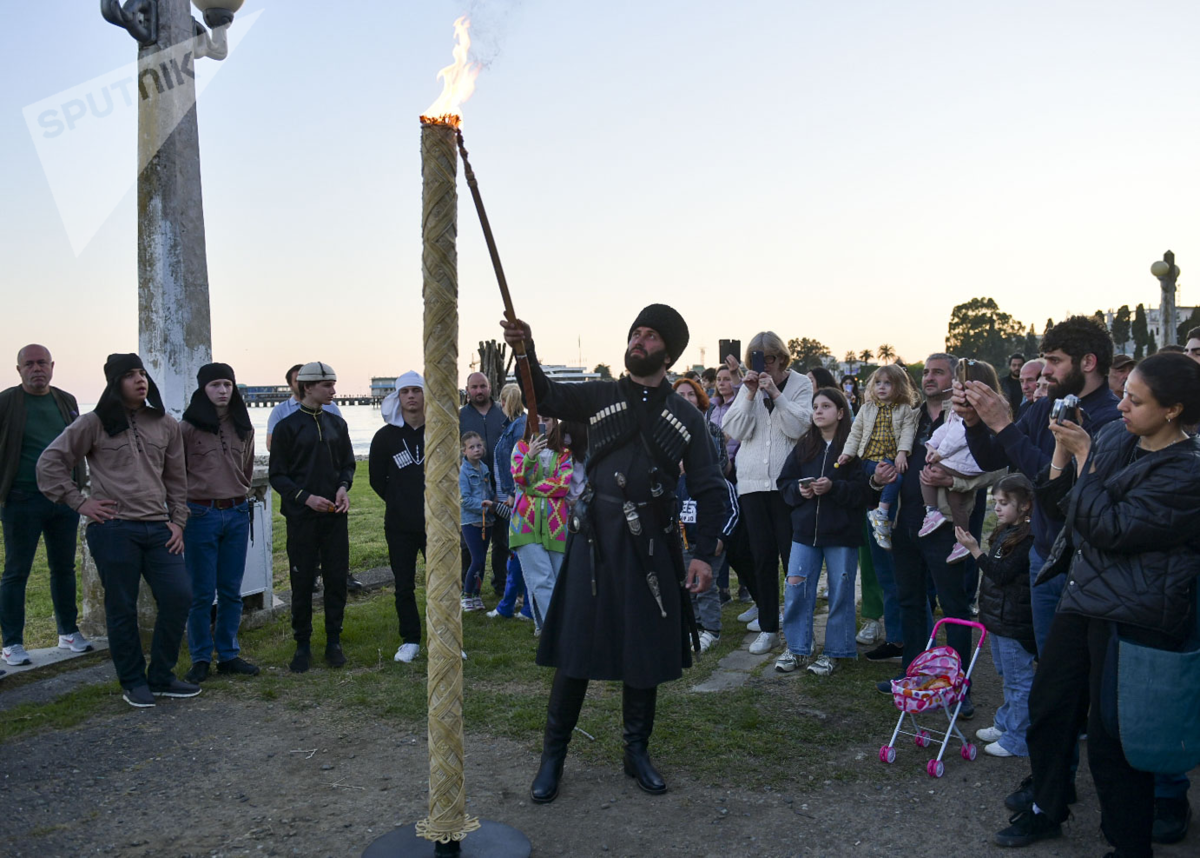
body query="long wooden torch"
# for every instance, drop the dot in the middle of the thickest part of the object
(509, 313)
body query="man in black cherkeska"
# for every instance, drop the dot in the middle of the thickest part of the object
(621, 601)
(312, 467)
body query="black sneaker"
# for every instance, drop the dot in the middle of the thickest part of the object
(334, 656)
(198, 673)
(238, 666)
(744, 594)
(1171, 819)
(301, 660)
(353, 585)
(1022, 800)
(726, 598)
(885, 652)
(139, 697)
(175, 688)
(1026, 828)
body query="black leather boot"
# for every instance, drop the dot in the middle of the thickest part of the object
(566, 699)
(638, 705)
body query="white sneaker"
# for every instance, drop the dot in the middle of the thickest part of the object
(753, 626)
(996, 750)
(407, 652)
(16, 655)
(492, 614)
(708, 640)
(989, 734)
(477, 602)
(468, 604)
(749, 614)
(870, 632)
(74, 642)
(787, 661)
(823, 666)
(764, 643)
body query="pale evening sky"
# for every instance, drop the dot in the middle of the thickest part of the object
(844, 171)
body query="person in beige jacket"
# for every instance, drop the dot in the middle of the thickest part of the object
(883, 432)
(138, 509)
(771, 411)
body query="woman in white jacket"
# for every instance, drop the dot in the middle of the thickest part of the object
(771, 412)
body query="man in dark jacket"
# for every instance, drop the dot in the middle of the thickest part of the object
(1010, 385)
(481, 414)
(621, 600)
(31, 416)
(397, 469)
(312, 468)
(1077, 352)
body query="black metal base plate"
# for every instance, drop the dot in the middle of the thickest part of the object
(490, 840)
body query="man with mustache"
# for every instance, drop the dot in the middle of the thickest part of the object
(621, 602)
(33, 414)
(138, 509)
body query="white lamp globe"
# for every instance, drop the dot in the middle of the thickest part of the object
(1160, 268)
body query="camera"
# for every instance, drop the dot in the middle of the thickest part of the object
(1064, 409)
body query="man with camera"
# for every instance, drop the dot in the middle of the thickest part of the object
(1077, 354)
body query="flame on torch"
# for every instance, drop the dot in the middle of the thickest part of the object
(458, 80)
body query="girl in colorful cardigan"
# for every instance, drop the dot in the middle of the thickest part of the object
(541, 470)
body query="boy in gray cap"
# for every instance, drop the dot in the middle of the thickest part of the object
(312, 468)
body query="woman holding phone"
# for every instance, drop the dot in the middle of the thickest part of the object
(541, 471)
(769, 415)
(827, 505)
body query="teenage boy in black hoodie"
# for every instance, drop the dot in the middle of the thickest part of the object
(312, 467)
(397, 470)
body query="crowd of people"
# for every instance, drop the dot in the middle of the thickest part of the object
(748, 469)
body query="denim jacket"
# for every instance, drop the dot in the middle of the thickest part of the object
(474, 487)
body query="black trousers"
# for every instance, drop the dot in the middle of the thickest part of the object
(919, 561)
(402, 553)
(318, 540)
(769, 527)
(498, 533)
(741, 558)
(1065, 694)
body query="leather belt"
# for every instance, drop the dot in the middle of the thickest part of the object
(219, 503)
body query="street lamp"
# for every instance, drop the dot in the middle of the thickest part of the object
(1167, 273)
(218, 14)
(140, 19)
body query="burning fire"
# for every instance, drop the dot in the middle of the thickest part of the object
(458, 81)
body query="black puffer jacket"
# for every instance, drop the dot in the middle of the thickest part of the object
(834, 518)
(1004, 606)
(1136, 534)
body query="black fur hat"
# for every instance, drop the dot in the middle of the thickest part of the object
(669, 324)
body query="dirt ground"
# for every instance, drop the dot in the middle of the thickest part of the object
(220, 776)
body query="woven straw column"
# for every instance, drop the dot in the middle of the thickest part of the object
(447, 819)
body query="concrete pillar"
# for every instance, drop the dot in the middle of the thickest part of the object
(174, 328)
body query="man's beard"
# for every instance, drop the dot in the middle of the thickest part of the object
(647, 365)
(1071, 385)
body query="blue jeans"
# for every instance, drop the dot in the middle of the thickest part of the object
(706, 606)
(800, 599)
(891, 491)
(885, 574)
(1043, 598)
(540, 568)
(1014, 663)
(125, 552)
(514, 587)
(1171, 786)
(215, 555)
(477, 545)
(26, 517)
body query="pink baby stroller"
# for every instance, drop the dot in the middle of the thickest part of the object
(934, 680)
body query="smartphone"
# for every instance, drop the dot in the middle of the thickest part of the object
(807, 481)
(730, 347)
(541, 427)
(756, 361)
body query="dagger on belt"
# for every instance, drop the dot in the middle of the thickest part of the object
(643, 541)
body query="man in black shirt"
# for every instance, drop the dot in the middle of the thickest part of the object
(312, 468)
(397, 469)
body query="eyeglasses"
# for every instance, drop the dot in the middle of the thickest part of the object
(770, 360)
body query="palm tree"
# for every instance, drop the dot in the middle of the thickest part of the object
(886, 353)
(851, 360)
(865, 355)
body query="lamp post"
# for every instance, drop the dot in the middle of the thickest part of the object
(174, 327)
(1167, 273)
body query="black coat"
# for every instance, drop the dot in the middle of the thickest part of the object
(311, 454)
(1004, 602)
(603, 622)
(834, 518)
(1136, 534)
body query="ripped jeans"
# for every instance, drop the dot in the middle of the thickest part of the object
(799, 599)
